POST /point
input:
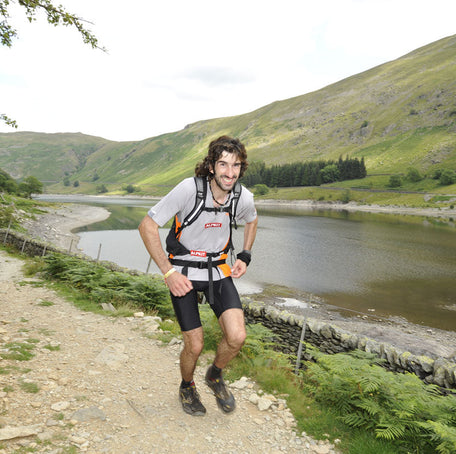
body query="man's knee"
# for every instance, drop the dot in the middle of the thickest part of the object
(193, 343)
(195, 349)
(236, 339)
(233, 326)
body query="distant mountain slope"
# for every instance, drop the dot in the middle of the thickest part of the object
(46, 156)
(396, 115)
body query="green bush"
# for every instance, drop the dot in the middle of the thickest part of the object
(395, 181)
(7, 183)
(330, 173)
(7, 216)
(437, 174)
(414, 175)
(260, 189)
(447, 177)
(346, 196)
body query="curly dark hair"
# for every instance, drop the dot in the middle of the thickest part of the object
(216, 149)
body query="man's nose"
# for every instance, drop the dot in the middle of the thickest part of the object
(230, 171)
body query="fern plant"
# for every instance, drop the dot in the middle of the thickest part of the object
(103, 285)
(396, 407)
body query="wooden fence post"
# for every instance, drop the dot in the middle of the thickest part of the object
(7, 232)
(99, 252)
(301, 342)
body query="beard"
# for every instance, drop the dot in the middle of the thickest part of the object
(222, 184)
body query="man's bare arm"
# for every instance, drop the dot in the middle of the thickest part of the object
(239, 268)
(250, 230)
(178, 284)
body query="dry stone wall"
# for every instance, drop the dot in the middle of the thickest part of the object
(330, 339)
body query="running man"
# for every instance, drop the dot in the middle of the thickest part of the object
(205, 209)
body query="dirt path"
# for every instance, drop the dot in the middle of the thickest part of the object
(105, 385)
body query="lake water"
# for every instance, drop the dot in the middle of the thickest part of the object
(367, 263)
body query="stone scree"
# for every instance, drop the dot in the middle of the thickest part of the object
(287, 327)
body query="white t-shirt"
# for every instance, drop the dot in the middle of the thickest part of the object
(211, 230)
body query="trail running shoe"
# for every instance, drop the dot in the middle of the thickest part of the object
(225, 399)
(190, 401)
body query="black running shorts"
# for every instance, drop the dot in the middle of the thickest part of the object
(186, 308)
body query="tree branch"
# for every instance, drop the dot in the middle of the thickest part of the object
(56, 15)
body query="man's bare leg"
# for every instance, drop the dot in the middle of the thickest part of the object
(193, 346)
(188, 395)
(233, 327)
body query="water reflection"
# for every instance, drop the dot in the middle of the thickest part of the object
(121, 218)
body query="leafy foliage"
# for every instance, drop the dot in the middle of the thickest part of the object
(6, 216)
(395, 181)
(447, 177)
(103, 285)
(56, 15)
(30, 185)
(414, 175)
(261, 189)
(8, 121)
(7, 183)
(396, 407)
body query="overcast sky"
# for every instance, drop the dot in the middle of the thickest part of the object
(171, 63)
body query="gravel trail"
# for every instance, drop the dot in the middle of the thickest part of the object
(105, 385)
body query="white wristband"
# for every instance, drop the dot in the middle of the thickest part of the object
(169, 272)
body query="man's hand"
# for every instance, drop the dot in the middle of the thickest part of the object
(239, 268)
(178, 284)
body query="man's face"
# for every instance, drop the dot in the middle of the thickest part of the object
(227, 170)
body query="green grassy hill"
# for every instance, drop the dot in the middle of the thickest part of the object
(396, 115)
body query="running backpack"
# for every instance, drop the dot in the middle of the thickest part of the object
(173, 245)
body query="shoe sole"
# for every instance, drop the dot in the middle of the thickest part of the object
(194, 413)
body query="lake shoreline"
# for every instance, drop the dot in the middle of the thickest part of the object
(356, 207)
(57, 224)
(305, 204)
